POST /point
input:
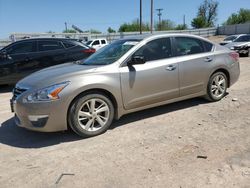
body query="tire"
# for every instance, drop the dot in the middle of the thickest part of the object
(91, 115)
(216, 91)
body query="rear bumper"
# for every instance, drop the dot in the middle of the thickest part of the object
(234, 73)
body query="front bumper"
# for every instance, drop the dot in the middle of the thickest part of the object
(42, 117)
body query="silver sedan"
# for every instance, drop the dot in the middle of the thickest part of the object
(126, 76)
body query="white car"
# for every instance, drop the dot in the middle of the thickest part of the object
(97, 43)
(230, 39)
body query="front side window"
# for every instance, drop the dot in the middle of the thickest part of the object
(49, 45)
(23, 47)
(156, 50)
(188, 46)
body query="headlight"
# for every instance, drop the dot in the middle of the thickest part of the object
(46, 94)
(232, 48)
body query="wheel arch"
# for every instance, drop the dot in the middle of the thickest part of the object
(95, 91)
(225, 71)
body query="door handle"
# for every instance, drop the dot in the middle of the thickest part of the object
(208, 59)
(170, 67)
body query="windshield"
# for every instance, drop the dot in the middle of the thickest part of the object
(89, 42)
(230, 38)
(110, 53)
(245, 38)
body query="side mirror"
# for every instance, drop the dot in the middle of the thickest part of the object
(136, 60)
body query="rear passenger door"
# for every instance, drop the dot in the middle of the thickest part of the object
(51, 52)
(195, 58)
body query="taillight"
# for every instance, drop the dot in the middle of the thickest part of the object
(90, 50)
(234, 56)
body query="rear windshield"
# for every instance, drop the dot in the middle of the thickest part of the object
(230, 38)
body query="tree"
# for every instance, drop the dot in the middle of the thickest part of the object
(94, 31)
(134, 26)
(181, 27)
(165, 25)
(243, 16)
(207, 14)
(110, 30)
(69, 31)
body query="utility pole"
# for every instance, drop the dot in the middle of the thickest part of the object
(184, 20)
(152, 16)
(140, 16)
(159, 14)
(66, 27)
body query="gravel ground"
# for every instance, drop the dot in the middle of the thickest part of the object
(186, 144)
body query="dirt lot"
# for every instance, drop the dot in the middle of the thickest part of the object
(152, 148)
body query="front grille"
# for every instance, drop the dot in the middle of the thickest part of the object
(18, 91)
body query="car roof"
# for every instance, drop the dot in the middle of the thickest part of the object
(152, 36)
(47, 38)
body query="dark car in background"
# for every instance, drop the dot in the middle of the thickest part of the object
(24, 57)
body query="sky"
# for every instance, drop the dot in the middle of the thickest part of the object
(50, 15)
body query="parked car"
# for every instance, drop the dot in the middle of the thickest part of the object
(241, 45)
(229, 39)
(22, 58)
(97, 43)
(126, 76)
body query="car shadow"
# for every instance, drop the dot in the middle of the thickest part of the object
(6, 88)
(15, 136)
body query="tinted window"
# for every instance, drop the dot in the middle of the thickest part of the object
(96, 42)
(68, 44)
(89, 42)
(208, 46)
(245, 38)
(24, 47)
(49, 45)
(103, 41)
(188, 46)
(155, 50)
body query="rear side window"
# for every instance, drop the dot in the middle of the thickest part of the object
(156, 50)
(188, 46)
(68, 44)
(103, 41)
(208, 46)
(96, 42)
(49, 45)
(22, 47)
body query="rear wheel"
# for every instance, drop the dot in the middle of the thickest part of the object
(91, 115)
(217, 86)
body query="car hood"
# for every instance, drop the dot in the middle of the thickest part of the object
(236, 44)
(55, 74)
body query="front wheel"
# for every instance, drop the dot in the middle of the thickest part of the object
(217, 87)
(91, 115)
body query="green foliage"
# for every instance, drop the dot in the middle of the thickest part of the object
(69, 31)
(165, 25)
(110, 30)
(94, 31)
(134, 26)
(198, 22)
(243, 16)
(181, 27)
(207, 14)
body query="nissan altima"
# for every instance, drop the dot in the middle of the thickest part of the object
(127, 75)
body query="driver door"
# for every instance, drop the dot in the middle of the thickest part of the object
(152, 82)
